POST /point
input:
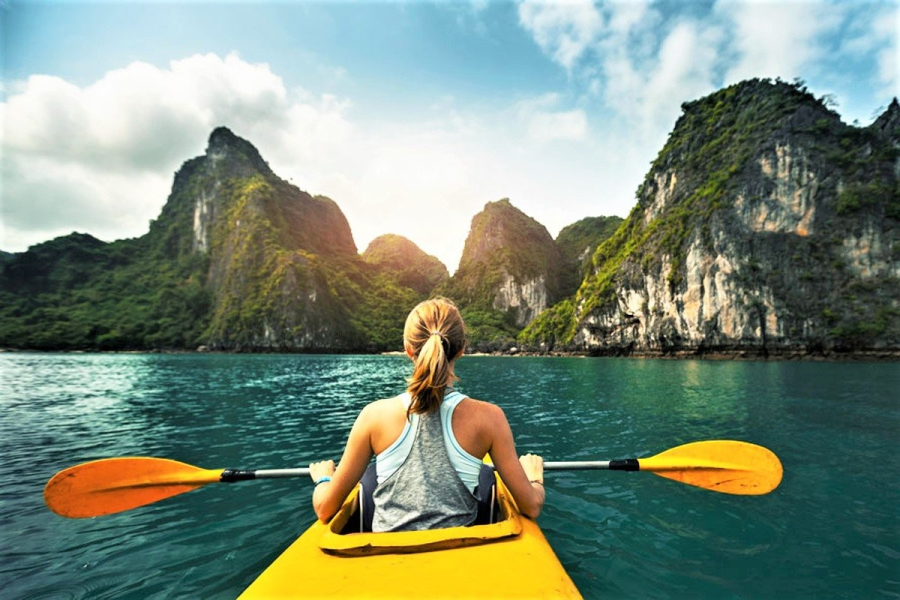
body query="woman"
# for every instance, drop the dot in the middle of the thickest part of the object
(428, 443)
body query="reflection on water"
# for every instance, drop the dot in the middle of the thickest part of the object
(830, 530)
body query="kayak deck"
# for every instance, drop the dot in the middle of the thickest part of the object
(510, 558)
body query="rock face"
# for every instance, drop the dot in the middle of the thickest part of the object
(510, 264)
(764, 226)
(271, 250)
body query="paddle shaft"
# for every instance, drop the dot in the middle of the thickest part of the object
(630, 464)
(232, 475)
(627, 464)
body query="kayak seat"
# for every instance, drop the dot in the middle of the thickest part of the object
(485, 493)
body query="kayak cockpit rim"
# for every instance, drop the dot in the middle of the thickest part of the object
(343, 539)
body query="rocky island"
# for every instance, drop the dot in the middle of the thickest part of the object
(765, 227)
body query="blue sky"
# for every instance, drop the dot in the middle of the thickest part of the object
(411, 115)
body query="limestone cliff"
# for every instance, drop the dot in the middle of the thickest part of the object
(765, 225)
(509, 272)
(271, 250)
(237, 260)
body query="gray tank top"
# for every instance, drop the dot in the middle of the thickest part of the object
(426, 491)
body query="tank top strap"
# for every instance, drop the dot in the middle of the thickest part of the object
(452, 398)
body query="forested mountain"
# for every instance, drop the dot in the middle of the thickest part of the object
(764, 226)
(238, 260)
(510, 270)
(577, 242)
(410, 267)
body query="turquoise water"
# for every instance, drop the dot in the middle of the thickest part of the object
(831, 530)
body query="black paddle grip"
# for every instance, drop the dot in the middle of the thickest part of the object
(625, 464)
(232, 475)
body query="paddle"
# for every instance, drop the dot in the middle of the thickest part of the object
(112, 485)
(724, 466)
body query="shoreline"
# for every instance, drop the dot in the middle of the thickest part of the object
(886, 355)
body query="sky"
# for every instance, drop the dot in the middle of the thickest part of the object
(410, 115)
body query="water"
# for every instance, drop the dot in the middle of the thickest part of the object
(832, 530)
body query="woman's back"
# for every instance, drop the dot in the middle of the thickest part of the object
(419, 486)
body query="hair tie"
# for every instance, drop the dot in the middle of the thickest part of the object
(445, 342)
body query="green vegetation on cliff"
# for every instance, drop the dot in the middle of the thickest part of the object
(577, 243)
(720, 182)
(400, 259)
(76, 292)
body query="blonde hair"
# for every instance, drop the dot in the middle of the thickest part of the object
(435, 335)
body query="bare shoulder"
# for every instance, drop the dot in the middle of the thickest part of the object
(485, 411)
(382, 408)
(383, 420)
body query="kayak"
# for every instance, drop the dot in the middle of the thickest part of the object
(509, 558)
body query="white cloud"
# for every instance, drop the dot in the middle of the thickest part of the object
(625, 17)
(628, 57)
(885, 29)
(140, 116)
(44, 198)
(544, 123)
(648, 93)
(777, 39)
(565, 29)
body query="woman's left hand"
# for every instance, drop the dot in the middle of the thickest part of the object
(533, 465)
(324, 468)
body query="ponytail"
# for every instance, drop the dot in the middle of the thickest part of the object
(435, 336)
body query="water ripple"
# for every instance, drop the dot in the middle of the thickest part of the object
(624, 535)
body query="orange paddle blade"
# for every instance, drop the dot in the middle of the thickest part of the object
(112, 485)
(725, 466)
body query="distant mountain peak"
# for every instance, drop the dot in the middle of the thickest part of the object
(222, 135)
(224, 144)
(500, 227)
(510, 264)
(889, 121)
(406, 262)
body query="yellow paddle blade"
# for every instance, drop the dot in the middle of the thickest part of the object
(112, 485)
(725, 466)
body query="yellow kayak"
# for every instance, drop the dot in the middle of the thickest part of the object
(509, 558)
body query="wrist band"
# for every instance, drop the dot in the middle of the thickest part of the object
(322, 480)
(537, 481)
